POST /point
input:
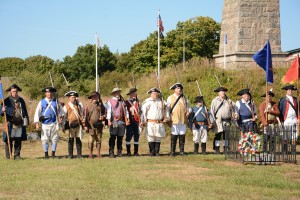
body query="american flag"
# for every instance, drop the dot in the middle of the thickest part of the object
(161, 27)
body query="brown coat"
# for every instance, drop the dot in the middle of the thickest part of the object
(262, 116)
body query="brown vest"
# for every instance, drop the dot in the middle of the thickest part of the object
(179, 112)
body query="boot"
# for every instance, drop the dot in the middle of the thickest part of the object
(7, 154)
(53, 154)
(136, 149)
(98, 146)
(203, 148)
(196, 148)
(128, 150)
(293, 149)
(46, 155)
(70, 147)
(217, 150)
(91, 147)
(224, 149)
(173, 144)
(151, 148)
(181, 144)
(119, 145)
(157, 148)
(214, 144)
(78, 147)
(18, 146)
(112, 146)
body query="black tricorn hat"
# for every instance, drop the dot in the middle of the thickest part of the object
(93, 94)
(176, 85)
(14, 86)
(243, 91)
(153, 90)
(289, 87)
(198, 98)
(131, 91)
(221, 89)
(71, 93)
(49, 89)
(270, 93)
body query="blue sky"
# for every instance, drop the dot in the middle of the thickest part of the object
(56, 28)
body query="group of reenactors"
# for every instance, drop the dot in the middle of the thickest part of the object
(131, 116)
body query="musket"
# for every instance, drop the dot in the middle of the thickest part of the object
(55, 96)
(68, 85)
(124, 111)
(100, 99)
(251, 100)
(138, 110)
(204, 105)
(5, 125)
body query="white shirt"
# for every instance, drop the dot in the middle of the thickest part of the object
(291, 117)
(38, 111)
(109, 110)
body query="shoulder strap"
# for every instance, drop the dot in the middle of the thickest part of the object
(292, 107)
(171, 110)
(221, 104)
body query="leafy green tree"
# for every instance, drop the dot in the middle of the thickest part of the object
(11, 66)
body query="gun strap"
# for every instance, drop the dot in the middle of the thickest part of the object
(175, 103)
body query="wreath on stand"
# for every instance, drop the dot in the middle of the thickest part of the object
(249, 144)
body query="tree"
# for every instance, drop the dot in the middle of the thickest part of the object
(11, 66)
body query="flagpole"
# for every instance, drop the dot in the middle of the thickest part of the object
(298, 93)
(183, 53)
(96, 63)
(158, 50)
(225, 51)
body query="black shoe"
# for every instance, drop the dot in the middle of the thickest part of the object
(120, 153)
(196, 148)
(53, 154)
(79, 156)
(46, 155)
(203, 148)
(128, 150)
(136, 149)
(17, 157)
(217, 150)
(172, 154)
(111, 154)
(181, 153)
(70, 156)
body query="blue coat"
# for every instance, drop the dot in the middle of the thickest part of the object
(9, 112)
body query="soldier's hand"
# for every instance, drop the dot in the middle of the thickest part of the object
(210, 126)
(3, 108)
(101, 118)
(127, 122)
(37, 126)
(109, 123)
(63, 130)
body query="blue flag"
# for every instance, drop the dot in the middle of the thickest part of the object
(264, 59)
(1, 92)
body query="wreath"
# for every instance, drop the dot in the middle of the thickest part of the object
(249, 144)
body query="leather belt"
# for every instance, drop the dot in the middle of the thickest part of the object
(119, 118)
(271, 121)
(201, 123)
(155, 121)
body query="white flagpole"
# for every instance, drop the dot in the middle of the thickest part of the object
(225, 38)
(183, 53)
(97, 89)
(158, 49)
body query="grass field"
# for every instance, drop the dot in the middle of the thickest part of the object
(144, 177)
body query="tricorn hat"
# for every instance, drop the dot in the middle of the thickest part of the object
(131, 91)
(153, 90)
(116, 90)
(289, 87)
(198, 98)
(71, 93)
(176, 85)
(221, 89)
(93, 94)
(244, 91)
(14, 86)
(270, 93)
(49, 89)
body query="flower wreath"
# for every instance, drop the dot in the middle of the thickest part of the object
(249, 144)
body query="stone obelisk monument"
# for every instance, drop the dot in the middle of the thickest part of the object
(246, 27)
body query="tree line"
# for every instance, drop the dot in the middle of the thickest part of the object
(201, 36)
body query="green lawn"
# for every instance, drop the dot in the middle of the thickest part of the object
(144, 177)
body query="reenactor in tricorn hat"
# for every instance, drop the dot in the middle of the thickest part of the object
(17, 118)
(200, 121)
(47, 117)
(246, 110)
(179, 111)
(93, 119)
(222, 108)
(268, 115)
(133, 129)
(117, 116)
(288, 107)
(154, 114)
(73, 112)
